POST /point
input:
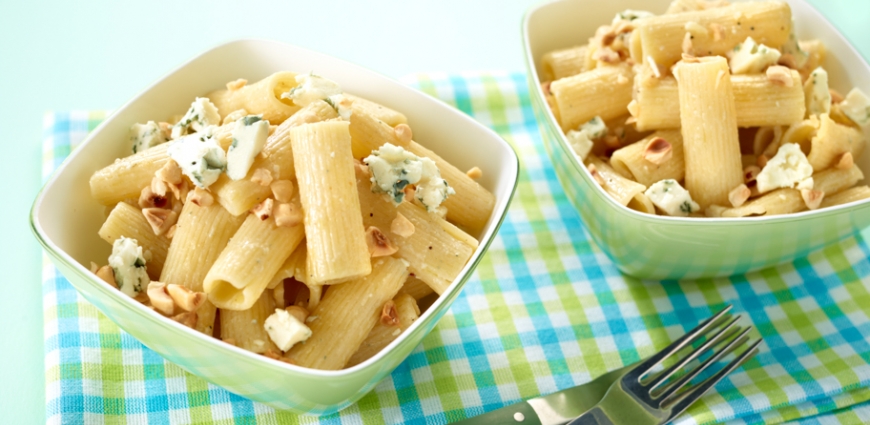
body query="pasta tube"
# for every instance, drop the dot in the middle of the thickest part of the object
(759, 102)
(263, 97)
(201, 234)
(347, 314)
(383, 334)
(335, 237)
(709, 127)
(249, 261)
(716, 31)
(127, 221)
(604, 92)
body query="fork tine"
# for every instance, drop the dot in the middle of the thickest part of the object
(721, 335)
(688, 338)
(734, 343)
(694, 394)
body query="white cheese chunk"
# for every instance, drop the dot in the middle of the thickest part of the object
(393, 168)
(202, 113)
(128, 263)
(310, 88)
(788, 167)
(630, 15)
(856, 106)
(285, 330)
(249, 137)
(146, 136)
(671, 198)
(793, 48)
(818, 96)
(752, 58)
(199, 157)
(581, 140)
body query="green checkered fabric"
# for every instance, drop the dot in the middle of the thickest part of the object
(545, 310)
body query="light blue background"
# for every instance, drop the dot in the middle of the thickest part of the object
(58, 55)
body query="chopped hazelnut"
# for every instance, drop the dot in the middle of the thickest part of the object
(750, 173)
(739, 195)
(300, 313)
(780, 76)
(237, 84)
(788, 60)
(633, 109)
(812, 198)
(171, 232)
(262, 176)
(595, 174)
(272, 354)
(185, 298)
(170, 173)
(410, 191)
(378, 243)
(159, 298)
(658, 151)
(188, 318)
(200, 197)
(761, 161)
(606, 55)
(836, 97)
(283, 190)
(108, 275)
(263, 210)
(389, 314)
(278, 295)
(287, 214)
(160, 219)
(846, 161)
(401, 226)
(474, 173)
(403, 133)
(718, 31)
(149, 199)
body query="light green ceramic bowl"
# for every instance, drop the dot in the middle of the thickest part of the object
(660, 247)
(65, 220)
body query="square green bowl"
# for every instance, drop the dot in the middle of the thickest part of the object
(661, 247)
(65, 220)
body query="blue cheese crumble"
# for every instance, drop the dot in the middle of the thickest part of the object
(129, 266)
(671, 198)
(752, 58)
(856, 106)
(311, 87)
(581, 139)
(199, 157)
(818, 96)
(788, 167)
(202, 113)
(146, 136)
(630, 15)
(793, 48)
(285, 330)
(249, 137)
(393, 168)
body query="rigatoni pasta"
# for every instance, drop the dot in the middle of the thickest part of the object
(244, 219)
(743, 113)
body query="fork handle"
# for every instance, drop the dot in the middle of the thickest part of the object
(594, 416)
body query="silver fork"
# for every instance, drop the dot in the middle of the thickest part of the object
(635, 400)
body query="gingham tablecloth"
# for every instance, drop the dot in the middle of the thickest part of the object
(545, 310)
